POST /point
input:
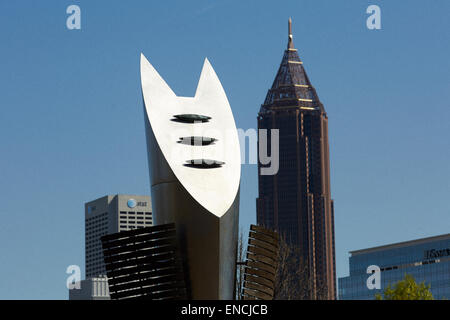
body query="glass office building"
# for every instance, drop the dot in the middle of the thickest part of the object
(427, 260)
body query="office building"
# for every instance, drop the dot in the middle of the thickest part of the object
(296, 201)
(112, 214)
(427, 260)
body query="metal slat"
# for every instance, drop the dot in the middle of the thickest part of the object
(130, 233)
(138, 254)
(138, 239)
(263, 252)
(258, 287)
(157, 273)
(141, 268)
(261, 266)
(264, 245)
(165, 291)
(174, 278)
(260, 273)
(260, 258)
(258, 294)
(134, 248)
(263, 230)
(263, 237)
(139, 261)
(259, 280)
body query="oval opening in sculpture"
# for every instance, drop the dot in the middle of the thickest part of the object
(197, 141)
(191, 118)
(204, 164)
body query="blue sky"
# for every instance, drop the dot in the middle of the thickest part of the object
(72, 128)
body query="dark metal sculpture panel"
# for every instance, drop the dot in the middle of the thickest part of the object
(144, 264)
(261, 265)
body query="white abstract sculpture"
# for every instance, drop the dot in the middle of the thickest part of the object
(194, 161)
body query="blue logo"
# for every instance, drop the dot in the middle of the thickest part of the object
(131, 203)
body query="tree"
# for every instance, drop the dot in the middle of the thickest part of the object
(294, 279)
(407, 289)
(240, 268)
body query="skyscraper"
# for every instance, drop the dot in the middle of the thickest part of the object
(112, 214)
(296, 201)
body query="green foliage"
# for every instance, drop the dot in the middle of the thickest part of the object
(406, 289)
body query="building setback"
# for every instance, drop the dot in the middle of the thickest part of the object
(296, 201)
(427, 260)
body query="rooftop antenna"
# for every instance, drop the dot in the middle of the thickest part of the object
(291, 42)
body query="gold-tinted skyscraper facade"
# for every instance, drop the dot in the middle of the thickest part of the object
(296, 201)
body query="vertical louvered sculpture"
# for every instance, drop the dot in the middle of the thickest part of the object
(261, 265)
(144, 264)
(194, 162)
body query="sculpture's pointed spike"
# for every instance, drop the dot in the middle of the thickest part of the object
(155, 86)
(209, 83)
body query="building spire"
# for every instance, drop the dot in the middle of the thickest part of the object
(291, 41)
